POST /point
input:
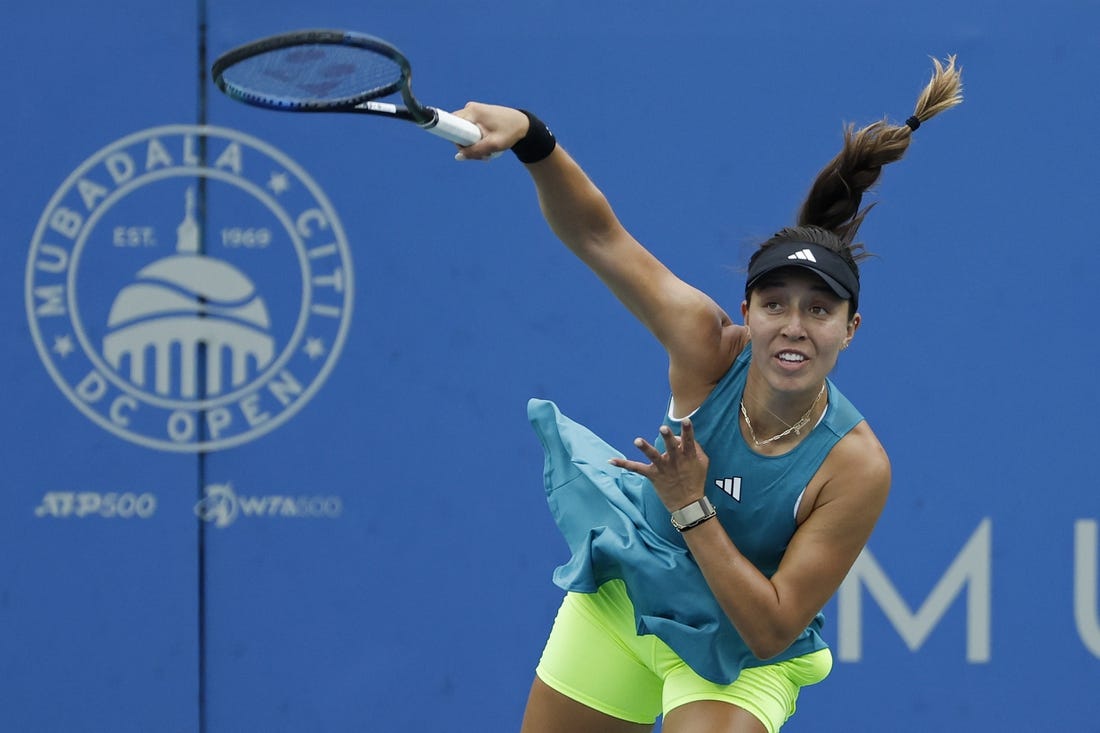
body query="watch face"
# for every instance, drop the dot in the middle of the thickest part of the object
(693, 514)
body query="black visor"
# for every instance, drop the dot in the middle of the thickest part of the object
(824, 262)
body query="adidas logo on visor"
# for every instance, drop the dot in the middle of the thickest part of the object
(803, 254)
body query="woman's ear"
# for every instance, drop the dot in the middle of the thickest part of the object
(853, 326)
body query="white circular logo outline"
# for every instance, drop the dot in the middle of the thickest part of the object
(334, 227)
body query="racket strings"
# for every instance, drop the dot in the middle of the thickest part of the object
(314, 75)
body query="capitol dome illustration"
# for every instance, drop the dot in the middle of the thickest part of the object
(186, 317)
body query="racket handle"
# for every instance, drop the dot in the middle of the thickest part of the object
(453, 128)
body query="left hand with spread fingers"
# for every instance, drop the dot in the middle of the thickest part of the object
(679, 474)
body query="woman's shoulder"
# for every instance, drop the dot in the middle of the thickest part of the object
(693, 382)
(859, 459)
(856, 470)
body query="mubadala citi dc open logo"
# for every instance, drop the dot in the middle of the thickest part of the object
(189, 288)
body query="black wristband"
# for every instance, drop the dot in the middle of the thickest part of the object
(537, 144)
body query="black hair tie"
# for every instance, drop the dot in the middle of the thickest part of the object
(913, 123)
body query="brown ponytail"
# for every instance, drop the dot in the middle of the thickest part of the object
(830, 215)
(834, 199)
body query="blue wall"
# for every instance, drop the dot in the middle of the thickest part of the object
(236, 565)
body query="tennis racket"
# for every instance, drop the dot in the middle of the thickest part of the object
(331, 71)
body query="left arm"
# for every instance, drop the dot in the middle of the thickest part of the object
(769, 613)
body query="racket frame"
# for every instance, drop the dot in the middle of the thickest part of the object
(433, 120)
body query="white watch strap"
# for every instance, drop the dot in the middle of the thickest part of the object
(694, 513)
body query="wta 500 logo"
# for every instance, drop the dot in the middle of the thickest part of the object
(222, 505)
(189, 288)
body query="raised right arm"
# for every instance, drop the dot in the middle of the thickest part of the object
(700, 338)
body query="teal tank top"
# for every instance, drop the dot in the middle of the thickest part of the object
(617, 527)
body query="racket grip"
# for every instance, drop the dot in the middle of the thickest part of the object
(453, 128)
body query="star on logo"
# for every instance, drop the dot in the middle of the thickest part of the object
(314, 347)
(278, 183)
(63, 345)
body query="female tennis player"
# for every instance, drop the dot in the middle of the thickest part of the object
(698, 574)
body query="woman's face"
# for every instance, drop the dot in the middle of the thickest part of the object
(798, 326)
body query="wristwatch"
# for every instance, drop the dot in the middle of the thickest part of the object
(693, 514)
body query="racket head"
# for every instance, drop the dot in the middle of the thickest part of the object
(312, 71)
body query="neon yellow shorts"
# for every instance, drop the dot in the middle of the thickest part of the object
(595, 656)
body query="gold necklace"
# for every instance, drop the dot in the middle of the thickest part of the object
(796, 428)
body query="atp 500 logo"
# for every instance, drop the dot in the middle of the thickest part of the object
(189, 288)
